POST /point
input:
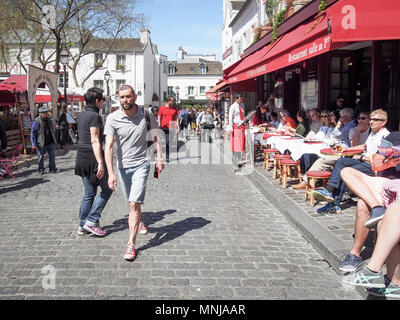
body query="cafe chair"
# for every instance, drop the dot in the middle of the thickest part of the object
(11, 164)
(277, 164)
(288, 165)
(267, 155)
(312, 178)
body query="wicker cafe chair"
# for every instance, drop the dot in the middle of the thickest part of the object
(11, 164)
(287, 165)
(312, 177)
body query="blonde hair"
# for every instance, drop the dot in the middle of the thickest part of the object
(379, 112)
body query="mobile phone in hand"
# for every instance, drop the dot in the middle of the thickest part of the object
(156, 172)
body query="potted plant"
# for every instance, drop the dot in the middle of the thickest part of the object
(271, 8)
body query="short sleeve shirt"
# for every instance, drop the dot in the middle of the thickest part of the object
(86, 120)
(167, 115)
(131, 136)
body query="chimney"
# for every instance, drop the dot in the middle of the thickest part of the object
(145, 36)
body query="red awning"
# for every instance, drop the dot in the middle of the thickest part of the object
(304, 42)
(9, 87)
(365, 20)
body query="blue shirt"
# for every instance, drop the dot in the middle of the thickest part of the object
(342, 133)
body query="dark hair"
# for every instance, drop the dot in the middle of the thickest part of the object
(274, 114)
(302, 114)
(237, 96)
(92, 94)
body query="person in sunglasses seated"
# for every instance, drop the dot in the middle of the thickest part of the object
(335, 189)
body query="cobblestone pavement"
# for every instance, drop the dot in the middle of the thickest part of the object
(212, 235)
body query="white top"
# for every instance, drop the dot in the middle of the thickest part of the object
(374, 141)
(234, 115)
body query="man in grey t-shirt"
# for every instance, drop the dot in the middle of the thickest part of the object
(129, 127)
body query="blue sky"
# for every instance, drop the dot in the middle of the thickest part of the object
(193, 24)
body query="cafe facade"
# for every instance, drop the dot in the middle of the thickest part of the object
(351, 48)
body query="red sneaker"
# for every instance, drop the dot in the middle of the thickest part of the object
(130, 252)
(142, 228)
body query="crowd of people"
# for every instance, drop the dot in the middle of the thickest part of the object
(370, 175)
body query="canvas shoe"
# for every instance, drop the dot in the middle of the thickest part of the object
(350, 263)
(329, 208)
(323, 195)
(96, 230)
(142, 228)
(366, 278)
(377, 214)
(81, 231)
(390, 291)
(130, 252)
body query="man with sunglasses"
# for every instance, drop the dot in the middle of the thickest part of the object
(333, 192)
(359, 135)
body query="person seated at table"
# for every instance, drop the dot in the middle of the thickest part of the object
(274, 123)
(333, 192)
(315, 124)
(260, 117)
(367, 189)
(334, 118)
(313, 162)
(359, 135)
(285, 122)
(302, 127)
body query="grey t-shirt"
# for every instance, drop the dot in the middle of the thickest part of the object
(130, 134)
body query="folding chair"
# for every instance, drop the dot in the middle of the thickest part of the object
(11, 164)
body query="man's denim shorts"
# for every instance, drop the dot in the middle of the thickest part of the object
(133, 182)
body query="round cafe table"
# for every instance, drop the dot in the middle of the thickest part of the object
(332, 152)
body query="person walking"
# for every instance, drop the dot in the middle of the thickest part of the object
(236, 115)
(129, 126)
(43, 139)
(90, 164)
(167, 120)
(62, 126)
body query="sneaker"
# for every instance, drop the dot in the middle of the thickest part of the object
(350, 263)
(96, 230)
(142, 228)
(323, 195)
(390, 291)
(329, 208)
(130, 252)
(377, 214)
(81, 231)
(365, 278)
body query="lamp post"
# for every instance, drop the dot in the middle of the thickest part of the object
(107, 77)
(64, 60)
(177, 94)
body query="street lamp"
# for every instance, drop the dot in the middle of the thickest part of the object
(177, 94)
(64, 60)
(107, 77)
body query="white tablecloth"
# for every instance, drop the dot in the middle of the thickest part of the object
(297, 147)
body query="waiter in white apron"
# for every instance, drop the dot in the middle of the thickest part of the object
(238, 145)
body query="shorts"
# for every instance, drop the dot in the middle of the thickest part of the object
(133, 182)
(390, 192)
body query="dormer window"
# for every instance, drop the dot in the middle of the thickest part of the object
(203, 68)
(171, 68)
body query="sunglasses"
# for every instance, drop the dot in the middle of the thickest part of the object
(362, 118)
(325, 116)
(376, 119)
